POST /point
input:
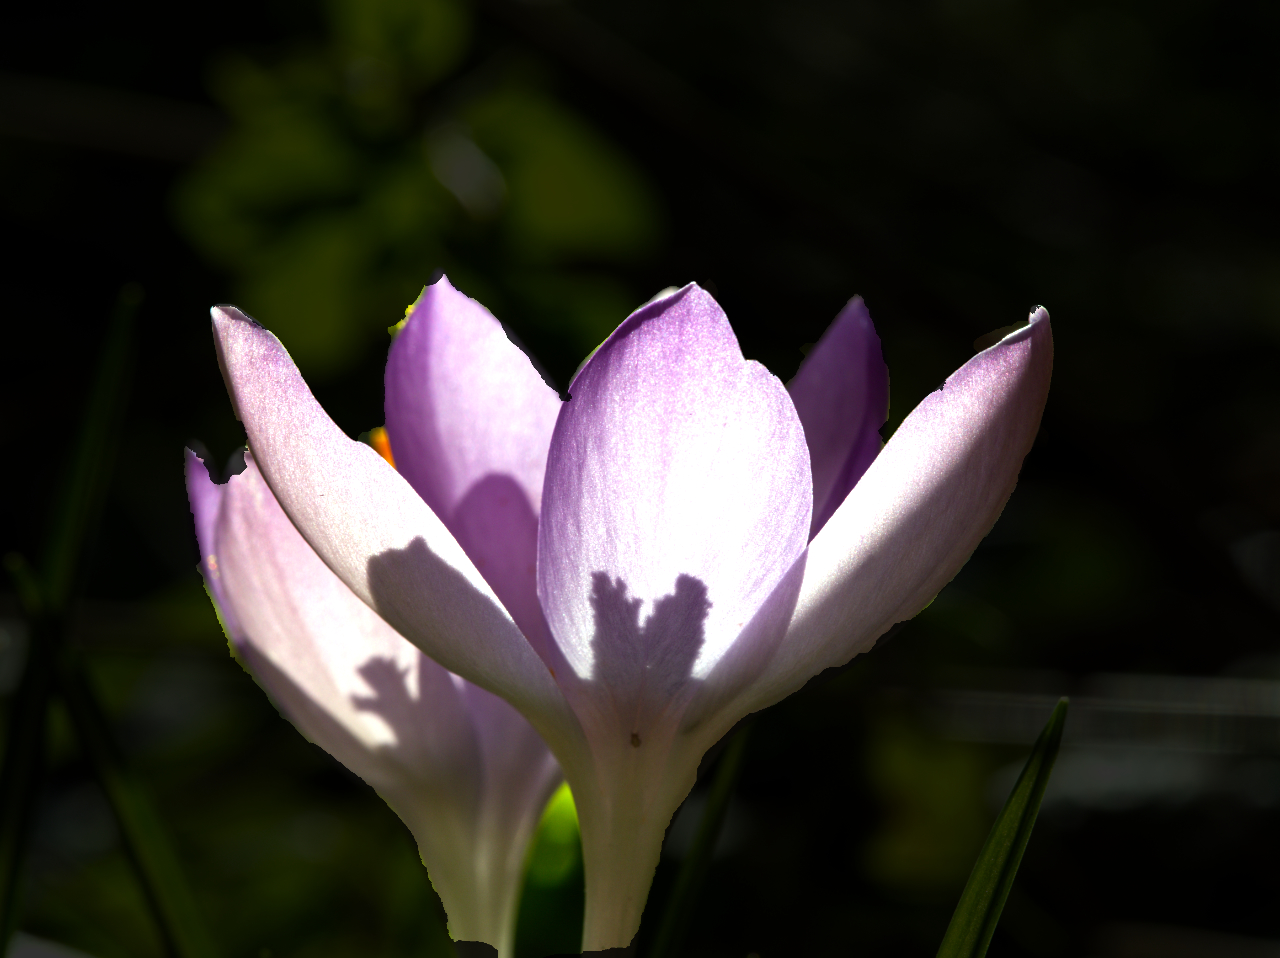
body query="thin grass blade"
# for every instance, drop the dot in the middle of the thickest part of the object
(84, 485)
(983, 898)
(145, 838)
(45, 596)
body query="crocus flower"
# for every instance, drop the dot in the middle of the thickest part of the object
(460, 766)
(633, 568)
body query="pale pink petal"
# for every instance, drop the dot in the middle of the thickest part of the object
(374, 531)
(913, 520)
(338, 654)
(842, 396)
(470, 421)
(678, 495)
(467, 774)
(205, 497)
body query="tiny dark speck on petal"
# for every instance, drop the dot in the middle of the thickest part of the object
(635, 739)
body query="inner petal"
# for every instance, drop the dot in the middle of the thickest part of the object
(470, 420)
(678, 493)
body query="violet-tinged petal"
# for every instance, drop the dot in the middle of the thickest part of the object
(470, 421)
(841, 393)
(374, 531)
(677, 497)
(919, 511)
(205, 497)
(462, 768)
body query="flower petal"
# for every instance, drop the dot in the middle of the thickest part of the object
(205, 497)
(677, 488)
(470, 422)
(373, 530)
(920, 510)
(465, 772)
(677, 497)
(333, 649)
(842, 396)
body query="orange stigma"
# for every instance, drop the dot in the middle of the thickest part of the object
(379, 440)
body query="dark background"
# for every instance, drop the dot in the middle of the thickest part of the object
(956, 163)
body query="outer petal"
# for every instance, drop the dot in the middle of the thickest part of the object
(677, 498)
(920, 510)
(205, 497)
(466, 773)
(374, 531)
(470, 421)
(842, 395)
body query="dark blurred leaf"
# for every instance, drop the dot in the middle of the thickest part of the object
(679, 911)
(74, 517)
(85, 482)
(153, 856)
(353, 172)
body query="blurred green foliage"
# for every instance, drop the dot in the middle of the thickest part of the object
(551, 904)
(935, 817)
(358, 167)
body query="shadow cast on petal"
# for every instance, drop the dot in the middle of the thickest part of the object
(433, 731)
(729, 683)
(646, 669)
(413, 587)
(498, 529)
(298, 708)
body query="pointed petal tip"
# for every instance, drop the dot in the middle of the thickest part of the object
(1038, 318)
(856, 306)
(224, 314)
(660, 302)
(841, 393)
(656, 307)
(1037, 325)
(442, 294)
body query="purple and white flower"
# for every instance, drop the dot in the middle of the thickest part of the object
(463, 770)
(679, 544)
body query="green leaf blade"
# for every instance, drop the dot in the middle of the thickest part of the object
(84, 485)
(984, 895)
